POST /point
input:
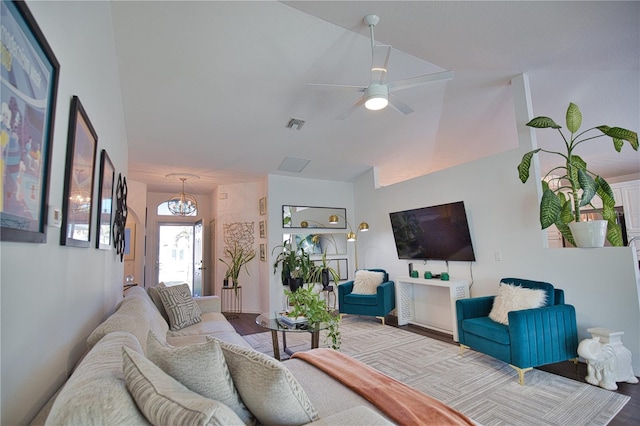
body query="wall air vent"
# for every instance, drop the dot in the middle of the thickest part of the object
(295, 124)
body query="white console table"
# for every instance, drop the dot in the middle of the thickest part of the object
(430, 303)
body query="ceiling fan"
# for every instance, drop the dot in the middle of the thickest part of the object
(378, 94)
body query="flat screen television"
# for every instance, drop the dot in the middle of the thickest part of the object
(433, 233)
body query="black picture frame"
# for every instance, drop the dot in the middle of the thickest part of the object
(28, 95)
(105, 202)
(77, 203)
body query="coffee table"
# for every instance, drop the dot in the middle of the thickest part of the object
(275, 325)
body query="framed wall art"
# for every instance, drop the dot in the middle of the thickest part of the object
(263, 229)
(105, 202)
(263, 206)
(28, 92)
(77, 203)
(130, 242)
(120, 216)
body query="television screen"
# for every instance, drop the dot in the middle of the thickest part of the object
(433, 233)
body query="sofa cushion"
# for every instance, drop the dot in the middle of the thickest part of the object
(367, 282)
(154, 295)
(515, 298)
(355, 416)
(488, 329)
(201, 368)
(136, 314)
(163, 400)
(97, 386)
(180, 307)
(267, 387)
(227, 336)
(327, 395)
(210, 322)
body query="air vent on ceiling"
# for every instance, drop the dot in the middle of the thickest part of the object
(295, 124)
(290, 164)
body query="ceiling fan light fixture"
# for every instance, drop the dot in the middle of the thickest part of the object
(377, 97)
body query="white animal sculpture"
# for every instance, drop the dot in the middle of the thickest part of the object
(605, 364)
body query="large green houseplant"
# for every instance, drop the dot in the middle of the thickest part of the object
(298, 265)
(239, 257)
(306, 302)
(578, 186)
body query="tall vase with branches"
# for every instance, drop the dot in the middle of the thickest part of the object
(239, 258)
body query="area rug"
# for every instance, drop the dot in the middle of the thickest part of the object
(483, 388)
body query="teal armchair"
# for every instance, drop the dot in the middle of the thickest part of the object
(376, 305)
(533, 337)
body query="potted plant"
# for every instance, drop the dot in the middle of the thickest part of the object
(560, 205)
(322, 273)
(240, 256)
(306, 302)
(296, 265)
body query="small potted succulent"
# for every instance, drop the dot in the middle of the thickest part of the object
(560, 204)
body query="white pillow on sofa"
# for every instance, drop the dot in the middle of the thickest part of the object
(267, 387)
(367, 282)
(201, 368)
(182, 310)
(515, 298)
(164, 400)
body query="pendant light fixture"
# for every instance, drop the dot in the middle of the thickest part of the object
(182, 204)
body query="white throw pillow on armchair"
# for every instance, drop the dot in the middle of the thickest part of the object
(367, 282)
(515, 298)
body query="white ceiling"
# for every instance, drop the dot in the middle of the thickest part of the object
(209, 86)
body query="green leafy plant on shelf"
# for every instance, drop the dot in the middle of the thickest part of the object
(239, 258)
(581, 184)
(306, 302)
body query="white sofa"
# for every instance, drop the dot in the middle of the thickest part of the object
(97, 393)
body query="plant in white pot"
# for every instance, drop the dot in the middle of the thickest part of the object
(561, 203)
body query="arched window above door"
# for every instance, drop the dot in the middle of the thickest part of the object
(163, 210)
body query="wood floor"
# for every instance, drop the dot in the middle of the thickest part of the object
(629, 415)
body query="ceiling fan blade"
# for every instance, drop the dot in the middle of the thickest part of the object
(321, 86)
(420, 80)
(353, 107)
(398, 105)
(379, 63)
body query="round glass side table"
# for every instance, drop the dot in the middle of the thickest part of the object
(276, 325)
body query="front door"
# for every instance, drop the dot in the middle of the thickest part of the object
(176, 253)
(198, 262)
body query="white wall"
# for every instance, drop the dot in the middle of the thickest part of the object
(284, 190)
(136, 214)
(54, 296)
(503, 216)
(241, 205)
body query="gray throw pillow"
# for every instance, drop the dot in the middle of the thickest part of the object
(201, 368)
(164, 401)
(267, 387)
(154, 295)
(182, 310)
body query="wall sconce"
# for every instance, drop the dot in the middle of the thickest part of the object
(351, 236)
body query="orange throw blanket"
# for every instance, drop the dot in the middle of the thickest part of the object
(401, 403)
